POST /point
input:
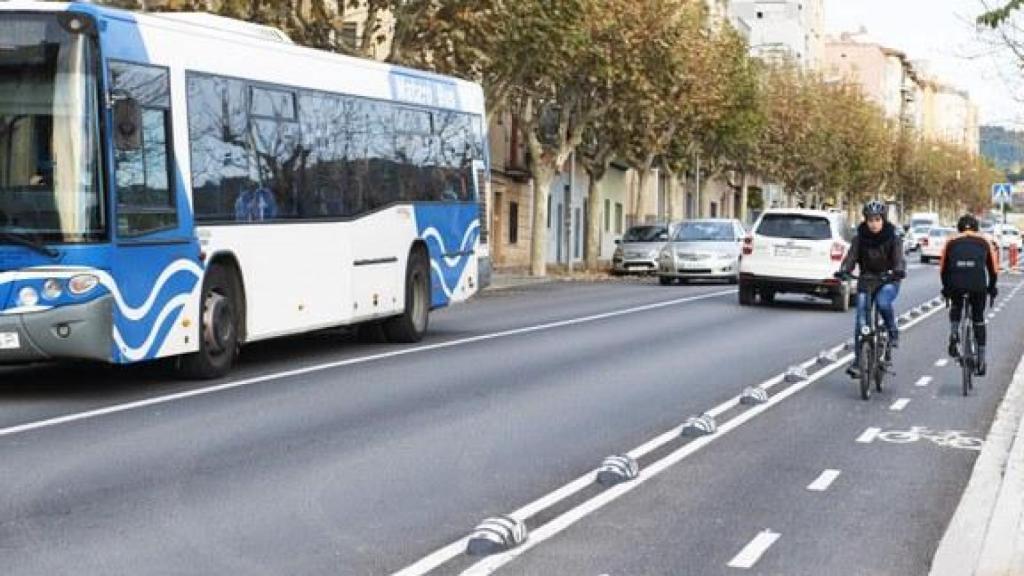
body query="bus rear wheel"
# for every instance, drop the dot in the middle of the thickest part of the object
(218, 327)
(411, 325)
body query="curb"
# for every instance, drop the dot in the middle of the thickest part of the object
(986, 535)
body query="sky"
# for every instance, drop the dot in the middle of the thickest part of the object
(942, 33)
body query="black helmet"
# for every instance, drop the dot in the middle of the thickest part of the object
(967, 222)
(875, 208)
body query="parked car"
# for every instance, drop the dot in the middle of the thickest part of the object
(708, 249)
(933, 244)
(796, 250)
(1007, 235)
(638, 250)
(912, 240)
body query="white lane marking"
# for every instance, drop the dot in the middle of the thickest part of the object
(923, 381)
(869, 435)
(753, 551)
(822, 482)
(567, 519)
(899, 405)
(942, 362)
(447, 553)
(347, 362)
(991, 315)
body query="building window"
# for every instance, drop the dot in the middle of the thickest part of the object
(607, 215)
(513, 222)
(350, 34)
(618, 218)
(760, 15)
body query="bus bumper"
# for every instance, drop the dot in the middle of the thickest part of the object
(82, 331)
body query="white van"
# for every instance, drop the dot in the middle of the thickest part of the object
(796, 250)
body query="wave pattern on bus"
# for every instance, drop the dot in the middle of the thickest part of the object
(451, 237)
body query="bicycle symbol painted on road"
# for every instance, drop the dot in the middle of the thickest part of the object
(945, 439)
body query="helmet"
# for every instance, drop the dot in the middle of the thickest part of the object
(967, 222)
(875, 208)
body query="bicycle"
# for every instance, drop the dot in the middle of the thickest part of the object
(967, 351)
(874, 354)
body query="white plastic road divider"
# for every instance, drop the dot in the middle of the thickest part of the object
(824, 481)
(753, 551)
(76, 417)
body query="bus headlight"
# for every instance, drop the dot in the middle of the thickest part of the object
(82, 284)
(28, 296)
(52, 289)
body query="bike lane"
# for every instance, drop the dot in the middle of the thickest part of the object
(824, 483)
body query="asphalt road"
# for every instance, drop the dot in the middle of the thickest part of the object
(321, 455)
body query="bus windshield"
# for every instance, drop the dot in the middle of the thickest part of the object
(49, 181)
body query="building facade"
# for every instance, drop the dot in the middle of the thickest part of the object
(791, 30)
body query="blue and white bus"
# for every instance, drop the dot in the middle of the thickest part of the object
(180, 184)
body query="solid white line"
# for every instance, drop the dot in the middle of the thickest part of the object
(869, 435)
(923, 381)
(899, 405)
(348, 362)
(752, 552)
(824, 481)
(456, 548)
(941, 362)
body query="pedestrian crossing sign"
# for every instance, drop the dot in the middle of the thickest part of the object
(1002, 192)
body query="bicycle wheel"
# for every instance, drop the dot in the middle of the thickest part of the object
(879, 365)
(867, 357)
(966, 354)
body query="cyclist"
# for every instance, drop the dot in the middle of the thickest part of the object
(878, 252)
(969, 266)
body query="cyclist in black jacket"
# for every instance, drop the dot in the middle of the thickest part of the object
(878, 251)
(969, 266)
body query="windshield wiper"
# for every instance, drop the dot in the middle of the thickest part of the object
(24, 240)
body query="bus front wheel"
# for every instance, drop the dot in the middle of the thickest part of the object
(218, 328)
(411, 325)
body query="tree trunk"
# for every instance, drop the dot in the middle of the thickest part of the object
(542, 178)
(642, 194)
(744, 197)
(594, 223)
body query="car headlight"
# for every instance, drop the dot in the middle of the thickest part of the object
(82, 284)
(52, 289)
(28, 296)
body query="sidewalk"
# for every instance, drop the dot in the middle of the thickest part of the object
(986, 534)
(503, 280)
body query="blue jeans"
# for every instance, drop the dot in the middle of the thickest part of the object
(884, 299)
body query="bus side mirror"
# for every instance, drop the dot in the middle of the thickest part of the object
(127, 125)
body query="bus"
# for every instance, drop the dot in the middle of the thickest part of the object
(177, 185)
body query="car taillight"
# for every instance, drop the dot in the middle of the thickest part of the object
(838, 251)
(748, 246)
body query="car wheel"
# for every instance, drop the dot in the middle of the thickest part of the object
(746, 293)
(767, 297)
(664, 280)
(841, 300)
(924, 259)
(218, 327)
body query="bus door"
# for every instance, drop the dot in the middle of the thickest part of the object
(155, 261)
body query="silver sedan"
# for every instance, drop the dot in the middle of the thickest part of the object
(705, 249)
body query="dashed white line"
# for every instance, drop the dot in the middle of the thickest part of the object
(753, 551)
(942, 362)
(923, 381)
(824, 481)
(869, 435)
(899, 405)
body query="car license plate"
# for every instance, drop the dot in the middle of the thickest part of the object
(790, 252)
(9, 341)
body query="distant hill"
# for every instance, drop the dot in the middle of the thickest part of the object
(1005, 148)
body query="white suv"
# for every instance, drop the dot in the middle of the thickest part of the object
(796, 250)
